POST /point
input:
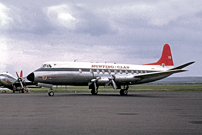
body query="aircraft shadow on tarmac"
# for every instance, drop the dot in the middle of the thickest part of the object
(111, 95)
(143, 95)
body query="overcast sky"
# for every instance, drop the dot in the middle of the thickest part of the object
(121, 31)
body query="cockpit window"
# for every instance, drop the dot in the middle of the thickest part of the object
(46, 66)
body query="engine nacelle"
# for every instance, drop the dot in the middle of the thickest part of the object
(102, 81)
(126, 79)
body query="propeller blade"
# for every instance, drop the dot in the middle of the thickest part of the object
(21, 84)
(17, 75)
(108, 83)
(95, 86)
(114, 84)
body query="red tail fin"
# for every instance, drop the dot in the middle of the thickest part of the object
(166, 58)
(21, 73)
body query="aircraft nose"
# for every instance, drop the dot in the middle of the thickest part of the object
(30, 77)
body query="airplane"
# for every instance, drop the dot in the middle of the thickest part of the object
(93, 75)
(10, 82)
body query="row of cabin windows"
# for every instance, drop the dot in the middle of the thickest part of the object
(117, 71)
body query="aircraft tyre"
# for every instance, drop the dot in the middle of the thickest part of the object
(51, 93)
(93, 92)
(123, 92)
(14, 88)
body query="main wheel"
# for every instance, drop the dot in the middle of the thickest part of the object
(93, 92)
(123, 92)
(14, 88)
(51, 93)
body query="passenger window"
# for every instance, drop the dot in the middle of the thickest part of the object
(132, 72)
(137, 72)
(120, 72)
(103, 71)
(80, 71)
(126, 71)
(109, 71)
(98, 71)
(115, 71)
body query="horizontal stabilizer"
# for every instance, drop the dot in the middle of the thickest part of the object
(155, 74)
(183, 66)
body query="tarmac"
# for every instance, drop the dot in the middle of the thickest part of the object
(160, 113)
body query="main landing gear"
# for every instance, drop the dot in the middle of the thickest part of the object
(51, 93)
(124, 92)
(22, 90)
(94, 91)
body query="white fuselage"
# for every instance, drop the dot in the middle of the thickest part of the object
(81, 73)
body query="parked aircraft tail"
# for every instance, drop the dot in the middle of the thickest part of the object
(166, 58)
(21, 73)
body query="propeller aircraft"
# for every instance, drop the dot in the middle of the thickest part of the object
(10, 82)
(93, 75)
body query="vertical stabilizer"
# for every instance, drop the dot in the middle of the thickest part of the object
(21, 74)
(166, 58)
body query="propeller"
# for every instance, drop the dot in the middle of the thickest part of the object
(20, 80)
(111, 81)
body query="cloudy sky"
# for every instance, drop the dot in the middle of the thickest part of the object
(121, 31)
